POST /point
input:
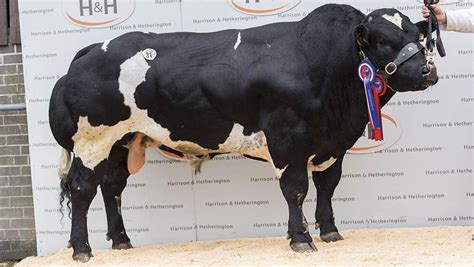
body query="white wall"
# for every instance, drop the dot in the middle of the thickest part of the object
(424, 179)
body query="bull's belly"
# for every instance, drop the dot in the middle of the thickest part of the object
(92, 144)
(254, 145)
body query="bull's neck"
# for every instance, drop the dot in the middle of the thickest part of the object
(344, 106)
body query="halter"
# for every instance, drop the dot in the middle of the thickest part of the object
(406, 53)
(375, 84)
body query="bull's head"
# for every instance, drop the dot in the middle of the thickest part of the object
(392, 42)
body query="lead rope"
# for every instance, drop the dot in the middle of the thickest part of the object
(433, 22)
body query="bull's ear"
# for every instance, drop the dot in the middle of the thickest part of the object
(423, 28)
(362, 34)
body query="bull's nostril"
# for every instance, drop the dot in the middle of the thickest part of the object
(425, 70)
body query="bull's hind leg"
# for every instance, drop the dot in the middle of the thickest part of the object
(294, 185)
(326, 182)
(82, 183)
(112, 185)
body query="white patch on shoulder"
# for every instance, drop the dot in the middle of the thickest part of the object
(321, 167)
(105, 45)
(149, 53)
(239, 40)
(395, 19)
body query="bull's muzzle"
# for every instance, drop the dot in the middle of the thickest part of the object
(430, 73)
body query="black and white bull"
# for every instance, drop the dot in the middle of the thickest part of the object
(287, 93)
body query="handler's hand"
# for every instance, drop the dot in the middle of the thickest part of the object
(440, 15)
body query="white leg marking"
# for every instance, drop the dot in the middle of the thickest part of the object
(239, 40)
(395, 19)
(118, 199)
(105, 44)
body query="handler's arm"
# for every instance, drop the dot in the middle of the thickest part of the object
(460, 20)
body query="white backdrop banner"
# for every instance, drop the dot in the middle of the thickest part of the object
(421, 176)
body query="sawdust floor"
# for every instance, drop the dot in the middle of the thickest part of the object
(421, 246)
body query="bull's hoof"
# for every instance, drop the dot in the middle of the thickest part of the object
(331, 237)
(121, 246)
(69, 244)
(305, 247)
(82, 257)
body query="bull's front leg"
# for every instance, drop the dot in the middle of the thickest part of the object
(326, 182)
(294, 185)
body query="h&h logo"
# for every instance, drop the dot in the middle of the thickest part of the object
(263, 7)
(97, 8)
(97, 13)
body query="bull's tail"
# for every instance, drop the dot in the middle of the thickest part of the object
(64, 164)
(63, 170)
(65, 195)
(63, 128)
